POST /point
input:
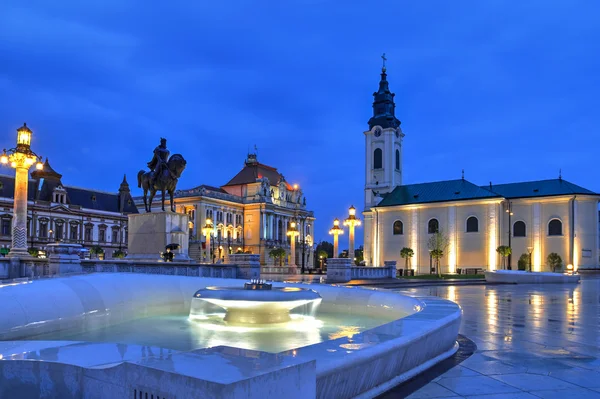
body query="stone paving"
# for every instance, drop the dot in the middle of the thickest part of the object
(533, 341)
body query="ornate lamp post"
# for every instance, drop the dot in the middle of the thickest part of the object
(351, 222)
(530, 251)
(336, 230)
(293, 233)
(21, 158)
(207, 231)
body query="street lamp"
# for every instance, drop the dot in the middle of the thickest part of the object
(351, 222)
(510, 213)
(21, 158)
(293, 233)
(207, 231)
(303, 218)
(336, 230)
(530, 251)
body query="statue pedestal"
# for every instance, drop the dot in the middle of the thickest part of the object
(64, 258)
(150, 233)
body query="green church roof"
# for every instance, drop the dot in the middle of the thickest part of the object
(440, 191)
(540, 188)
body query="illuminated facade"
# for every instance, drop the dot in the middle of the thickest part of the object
(252, 213)
(61, 213)
(542, 216)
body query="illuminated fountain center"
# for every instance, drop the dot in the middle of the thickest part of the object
(255, 303)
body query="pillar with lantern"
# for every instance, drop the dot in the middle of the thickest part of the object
(293, 233)
(352, 221)
(336, 230)
(207, 231)
(21, 158)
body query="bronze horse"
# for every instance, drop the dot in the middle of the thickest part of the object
(165, 181)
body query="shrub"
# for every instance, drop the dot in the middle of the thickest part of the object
(523, 262)
(554, 261)
(118, 254)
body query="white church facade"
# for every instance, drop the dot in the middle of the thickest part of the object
(537, 217)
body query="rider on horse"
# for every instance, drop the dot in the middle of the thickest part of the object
(159, 160)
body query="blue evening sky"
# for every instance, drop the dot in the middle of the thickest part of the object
(507, 90)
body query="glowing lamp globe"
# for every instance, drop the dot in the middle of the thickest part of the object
(4, 159)
(352, 211)
(24, 136)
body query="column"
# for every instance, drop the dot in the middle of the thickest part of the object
(208, 253)
(336, 252)
(19, 226)
(293, 251)
(414, 238)
(452, 247)
(537, 237)
(351, 242)
(492, 236)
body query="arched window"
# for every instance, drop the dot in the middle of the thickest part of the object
(377, 159)
(433, 226)
(398, 228)
(555, 228)
(472, 225)
(519, 229)
(397, 159)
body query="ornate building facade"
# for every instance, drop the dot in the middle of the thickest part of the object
(59, 213)
(252, 213)
(534, 218)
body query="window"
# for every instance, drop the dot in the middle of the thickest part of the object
(472, 225)
(397, 159)
(102, 235)
(555, 228)
(115, 236)
(398, 228)
(433, 226)
(377, 158)
(43, 229)
(5, 227)
(125, 233)
(74, 231)
(88, 233)
(59, 231)
(519, 229)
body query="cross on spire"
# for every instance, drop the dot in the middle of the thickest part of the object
(463, 174)
(384, 60)
(560, 174)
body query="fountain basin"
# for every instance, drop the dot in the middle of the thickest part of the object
(244, 306)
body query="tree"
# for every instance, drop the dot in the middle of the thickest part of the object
(523, 262)
(407, 254)
(504, 251)
(33, 252)
(554, 261)
(437, 244)
(118, 254)
(278, 253)
(325, 246)
(97, 250)
(359, 255)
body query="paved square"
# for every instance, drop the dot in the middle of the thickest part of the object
(533, 341)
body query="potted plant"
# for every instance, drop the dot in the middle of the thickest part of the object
(504, 251)
(554, 261)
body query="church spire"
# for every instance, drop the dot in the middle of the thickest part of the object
(384, 108)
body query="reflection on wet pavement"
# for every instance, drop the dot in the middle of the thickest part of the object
(532, 341)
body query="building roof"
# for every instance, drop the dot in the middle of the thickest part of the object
(253, 170)
(540, 188)
(384, 107)
(99, 200)
(441, 191)
(7, 187)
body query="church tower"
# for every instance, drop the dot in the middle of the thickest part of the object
(383, 145)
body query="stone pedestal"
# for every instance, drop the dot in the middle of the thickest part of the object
(64, 258)
(248, 265)
(390, 265)
(150, 233)
(339, 270)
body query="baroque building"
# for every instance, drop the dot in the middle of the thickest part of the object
(534, 218)
(251, 213)
(60, 213)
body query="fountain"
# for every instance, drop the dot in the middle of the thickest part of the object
(255, 303)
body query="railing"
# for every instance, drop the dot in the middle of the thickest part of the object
(170, 268)
(369, 273)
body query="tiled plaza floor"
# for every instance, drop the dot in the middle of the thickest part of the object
(533, 341)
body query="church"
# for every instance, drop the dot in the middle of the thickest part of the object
(534, 218)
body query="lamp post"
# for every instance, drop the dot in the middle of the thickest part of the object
(293, 233)
(336, 230)
(207, 231)
(303, 219)
(510, 213)
(21, 158)
(530, 251)
(351, 222)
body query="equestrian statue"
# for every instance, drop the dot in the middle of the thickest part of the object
(163, 175)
